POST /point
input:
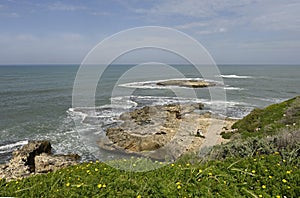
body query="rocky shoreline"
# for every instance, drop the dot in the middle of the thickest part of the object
(35, 158)
(165, 131)
(158, 132)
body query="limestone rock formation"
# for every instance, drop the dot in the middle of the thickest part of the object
(163, 127)
(34, 157)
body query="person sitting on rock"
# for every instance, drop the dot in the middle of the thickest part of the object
(200, 134)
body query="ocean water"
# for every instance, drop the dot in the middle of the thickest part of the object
(36, 101)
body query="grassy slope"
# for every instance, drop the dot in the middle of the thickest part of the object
(270, 120)
(264, 175)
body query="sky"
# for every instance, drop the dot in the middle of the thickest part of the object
(233, 31)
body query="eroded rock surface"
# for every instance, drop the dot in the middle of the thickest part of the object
(154, 131)
(34, 157)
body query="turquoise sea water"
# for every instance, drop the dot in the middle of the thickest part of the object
(36, 101)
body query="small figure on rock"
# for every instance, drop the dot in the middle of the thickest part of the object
(200, 134)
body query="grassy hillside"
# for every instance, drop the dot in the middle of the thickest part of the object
(260, 176)
(270, 120)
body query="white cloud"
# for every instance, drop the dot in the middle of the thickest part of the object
(266, 15)
(59, 6)
(10, 14)
(55, 48)
(280, 17)
(25, 37)
(195, 8)
(100, 13)
(191, 25)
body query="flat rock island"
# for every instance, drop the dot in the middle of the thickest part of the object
(186, 83)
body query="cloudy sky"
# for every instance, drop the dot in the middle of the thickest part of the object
(233, 31)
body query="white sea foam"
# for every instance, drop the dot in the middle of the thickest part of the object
(234, 88)
(10, 147)
(234, 76)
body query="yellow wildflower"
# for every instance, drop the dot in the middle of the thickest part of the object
(187, 164)
(276, 153)
(96, 169)
(178, 183)
(78, 185)
(178, 187)
(172, 164)
(270, 176)
(68, 184)
(284, 181)
(99, 185)
(253, 171)
(200, 171)
(264, 186)
(259, 195)
(278, 196)
(103, 186)
(139, 196)
(288, 172)
(210, 174)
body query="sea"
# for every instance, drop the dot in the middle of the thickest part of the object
(36, 100)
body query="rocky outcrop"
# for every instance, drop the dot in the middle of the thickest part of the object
(156, 131)
(186, 83)
(149, 128)
(45, 163)
(35, 157)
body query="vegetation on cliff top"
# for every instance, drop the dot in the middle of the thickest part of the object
(261, 176)
(268, 121)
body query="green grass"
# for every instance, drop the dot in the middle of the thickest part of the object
(268, 121)
(265, 175)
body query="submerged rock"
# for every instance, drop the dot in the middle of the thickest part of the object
(34, 157)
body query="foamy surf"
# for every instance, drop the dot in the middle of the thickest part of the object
(234, 76)
(6, 148)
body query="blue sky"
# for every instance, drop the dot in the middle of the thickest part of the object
(233, 31)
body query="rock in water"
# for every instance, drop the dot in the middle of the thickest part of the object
(34, 157)
(186, 83)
